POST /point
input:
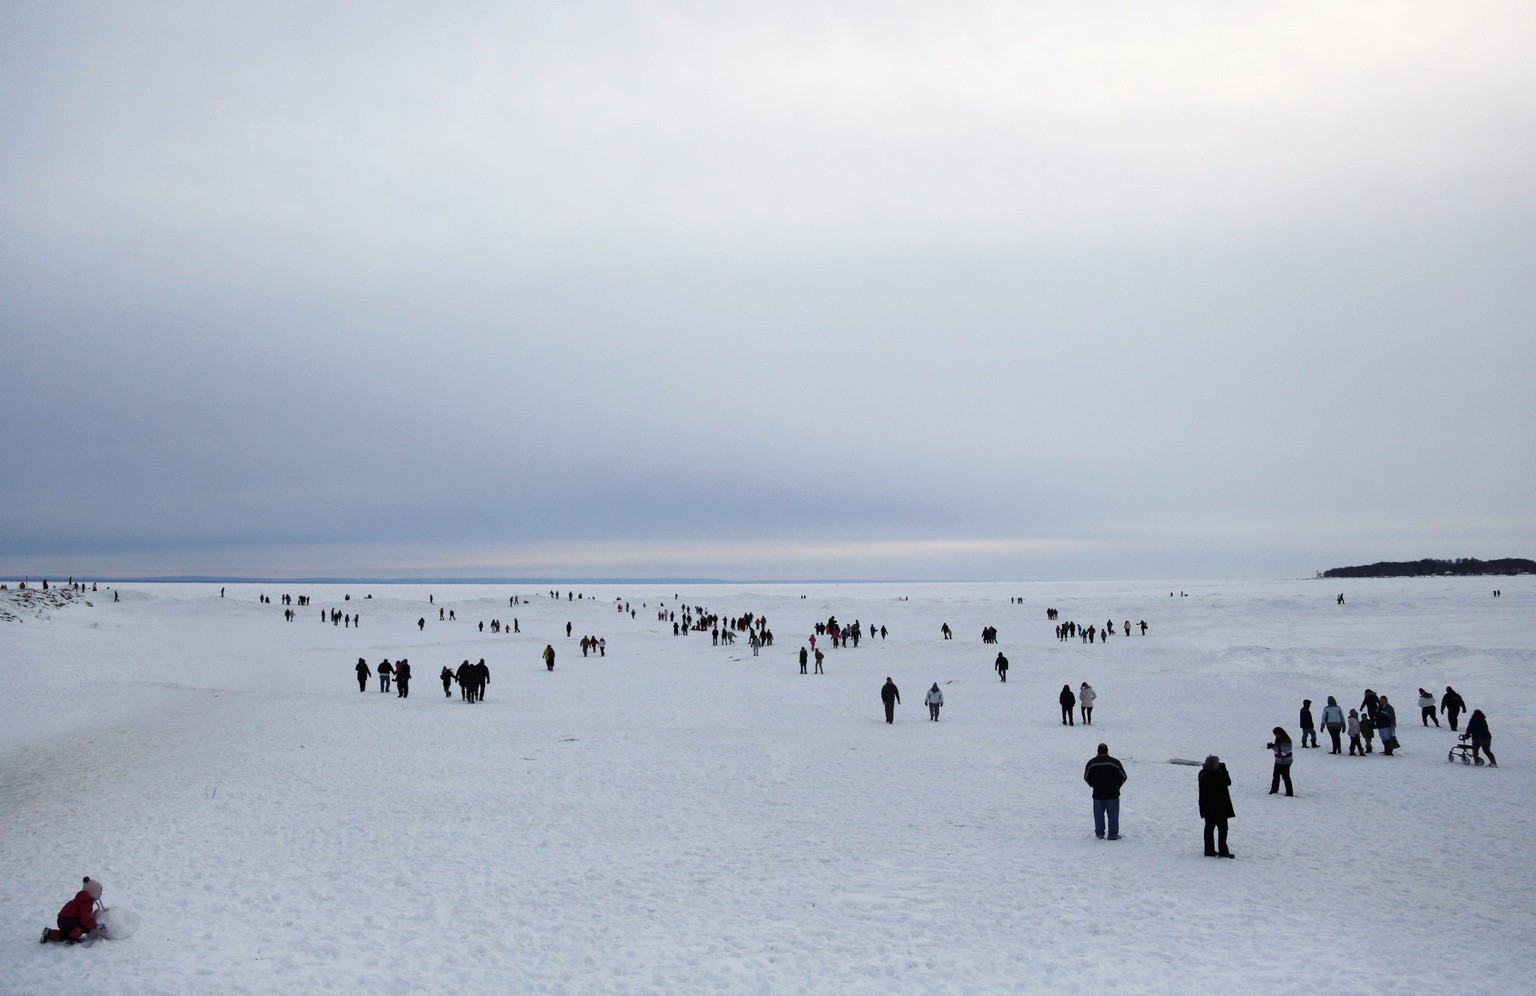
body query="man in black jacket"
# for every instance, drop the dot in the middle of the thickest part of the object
(1452, 705)
(890, 696)
(1105, 774)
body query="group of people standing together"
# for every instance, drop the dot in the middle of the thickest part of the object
(400, 672)
(1375, 716)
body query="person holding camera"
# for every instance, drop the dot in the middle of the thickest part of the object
(1215, 806)
(1281, 745)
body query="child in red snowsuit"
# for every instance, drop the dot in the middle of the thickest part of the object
(78, 917)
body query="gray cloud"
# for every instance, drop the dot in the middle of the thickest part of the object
(977, 293)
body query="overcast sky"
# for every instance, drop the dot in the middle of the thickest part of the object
(769, 291)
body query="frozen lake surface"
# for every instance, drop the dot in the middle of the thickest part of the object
(680, 817)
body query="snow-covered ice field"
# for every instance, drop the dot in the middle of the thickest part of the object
(678, 817)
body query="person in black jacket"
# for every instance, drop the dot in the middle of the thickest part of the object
(891, 696)
(1001, 667)
(403, 679)
(1067, 700)
(466, 678)
(1105, 774)
(447, 677)
(364, 673)
(482, 678)
(1308, 729)
(1477, 732)
(1215, 806)
(1452, 705)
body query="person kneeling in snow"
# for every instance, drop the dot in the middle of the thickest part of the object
(78, 917)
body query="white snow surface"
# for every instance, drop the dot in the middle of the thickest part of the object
(678, 817)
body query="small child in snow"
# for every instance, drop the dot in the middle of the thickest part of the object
(1354, 734)
(78, 916)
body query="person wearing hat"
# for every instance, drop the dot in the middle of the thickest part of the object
(1085, 697)
(935, 702)
(78, 916)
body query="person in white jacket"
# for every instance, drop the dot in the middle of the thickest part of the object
(1085, 697)
(935, 700)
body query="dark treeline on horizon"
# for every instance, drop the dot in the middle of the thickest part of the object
(1428, 566)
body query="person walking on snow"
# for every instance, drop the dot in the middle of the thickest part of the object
(385, 670)
(1354, 734)
(363, 674)
(1068, 701)
(1105, 774)
(1452, 705)
(891, 697)
(1477, 732)
(1001, 666)
(549, 656)
(1333, 722)
(447, 677)
(1085, 697)
(935, 701)
(1427, 708)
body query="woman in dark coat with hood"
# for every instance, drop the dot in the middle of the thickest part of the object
(1215, 806)
(1068, 701)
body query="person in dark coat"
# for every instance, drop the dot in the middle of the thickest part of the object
(1105, 774)
(447, 677)
(1477, 732)
(1215, 806)
(1308, 730)
(403, 679)
(1068, 701)
(1370, 703)
(1452, 705)
(78, 916)
(1001, 667)
(549, 656)
(385, 670)
(482, 678)
(805, 658)
(1281, 745)
(363, 674)
(465, 676)
(1386, 725)
(891, 696)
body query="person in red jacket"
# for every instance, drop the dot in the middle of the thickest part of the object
(78, 917)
